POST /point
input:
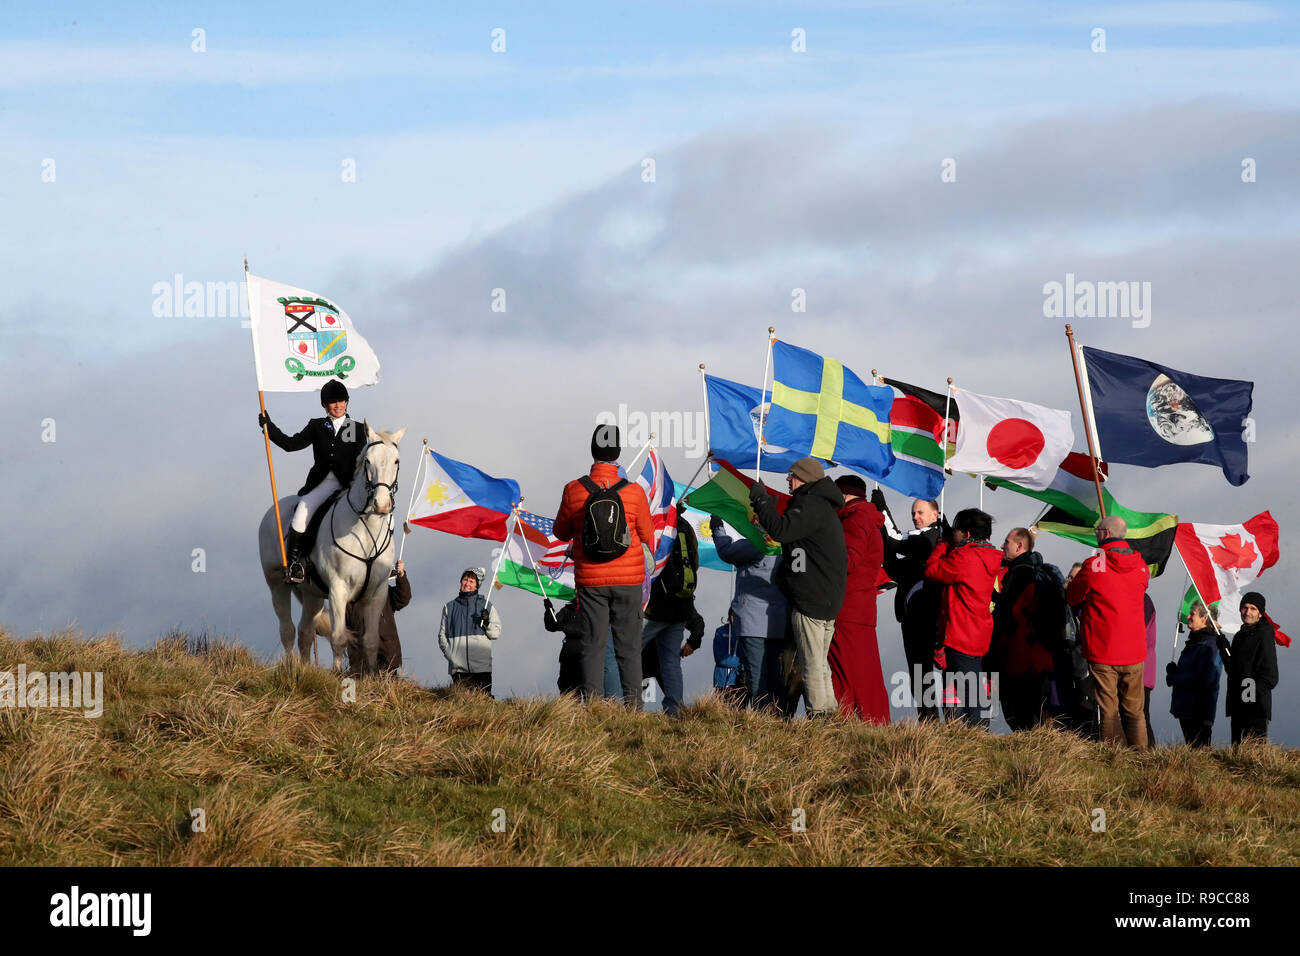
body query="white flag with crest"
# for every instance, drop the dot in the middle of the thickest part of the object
(301, 340)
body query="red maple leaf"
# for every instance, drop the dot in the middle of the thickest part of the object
(1233, 552)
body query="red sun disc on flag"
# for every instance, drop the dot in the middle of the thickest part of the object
(1015, 443)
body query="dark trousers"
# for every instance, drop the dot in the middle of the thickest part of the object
(1146, 713)
(1243, 727)
(1196, 733)
(616, 608)
(1024, 699)
(918, 646)
(482, 681)
(963, 681)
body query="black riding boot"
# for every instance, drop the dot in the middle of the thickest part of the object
(296, 572)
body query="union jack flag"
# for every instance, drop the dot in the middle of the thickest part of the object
(662, 495)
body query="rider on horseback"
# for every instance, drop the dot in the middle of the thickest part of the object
(335, 440)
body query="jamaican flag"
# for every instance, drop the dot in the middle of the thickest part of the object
(1150, 533)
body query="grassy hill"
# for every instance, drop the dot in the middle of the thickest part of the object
(288, 773)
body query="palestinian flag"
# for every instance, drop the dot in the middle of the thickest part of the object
(1150, 533)
(1072, 488)
(1190, 598)
(544, 569)
(1225, 561)
(726, 495)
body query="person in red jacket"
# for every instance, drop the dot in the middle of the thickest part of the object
(609, 592)
(1108, 590)
(854, 657)
(967, 564)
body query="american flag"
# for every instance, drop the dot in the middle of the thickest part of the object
(541, 530)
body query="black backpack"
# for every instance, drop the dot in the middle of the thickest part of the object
(678, 576)
(604, 526)
(1050, 624)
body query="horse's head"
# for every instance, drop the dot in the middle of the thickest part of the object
(377, 466)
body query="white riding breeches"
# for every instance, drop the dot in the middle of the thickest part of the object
(312, 500)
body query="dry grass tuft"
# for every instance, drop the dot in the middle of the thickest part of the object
(288, 772)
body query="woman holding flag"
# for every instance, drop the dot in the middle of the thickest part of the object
(335, 441)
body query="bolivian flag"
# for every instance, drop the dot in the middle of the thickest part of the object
(821, 408)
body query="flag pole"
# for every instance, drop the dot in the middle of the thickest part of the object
(947, 405)
(514, 519)
(708, 439)
(410, 508)
(690, 484)
(266, 436)
(1087, 423)
(762, 403)
(875, 380)
(531, 563)
(643, 450)
(1197, 590)
(1174, 652)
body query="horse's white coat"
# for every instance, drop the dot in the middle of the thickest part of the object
(342, 528)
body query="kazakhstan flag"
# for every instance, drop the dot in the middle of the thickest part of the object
(821, 408)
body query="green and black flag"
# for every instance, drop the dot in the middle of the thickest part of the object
(1150, 533)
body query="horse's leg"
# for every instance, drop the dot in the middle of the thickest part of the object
(282, 601)
(370, 640)
(338, 611)
(311, 605)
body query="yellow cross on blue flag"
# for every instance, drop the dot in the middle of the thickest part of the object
(821, 408)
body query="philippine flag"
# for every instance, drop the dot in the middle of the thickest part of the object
(459, 499)
(1005, 438)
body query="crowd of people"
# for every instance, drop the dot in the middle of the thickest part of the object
(982, 626)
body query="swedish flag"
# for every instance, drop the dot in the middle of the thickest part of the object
(821, 408)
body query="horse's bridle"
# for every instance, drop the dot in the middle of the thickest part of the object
(371, 488)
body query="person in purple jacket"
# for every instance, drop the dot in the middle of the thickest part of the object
(1149, 671)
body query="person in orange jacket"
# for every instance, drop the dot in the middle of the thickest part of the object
(1112, 631)
(611, 558)
(967, 564)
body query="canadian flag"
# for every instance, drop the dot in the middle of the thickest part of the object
(1005, 438)
(1225, 559)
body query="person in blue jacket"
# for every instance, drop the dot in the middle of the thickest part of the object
(759, 613)
(1195, 678)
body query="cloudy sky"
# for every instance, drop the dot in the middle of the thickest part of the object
(172, 141)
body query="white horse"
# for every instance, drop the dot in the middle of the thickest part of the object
(352, 554)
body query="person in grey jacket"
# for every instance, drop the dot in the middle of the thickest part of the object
(759, 612)
(469, 625)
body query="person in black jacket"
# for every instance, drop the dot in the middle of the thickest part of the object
(1195, 678)
(336, 441)
(814, 570)
(669, 613)
(916, 600)
(1251, 663)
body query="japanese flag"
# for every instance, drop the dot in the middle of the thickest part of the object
(1003, 438)
(1225, 559)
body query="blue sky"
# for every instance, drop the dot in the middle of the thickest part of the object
(522, 170)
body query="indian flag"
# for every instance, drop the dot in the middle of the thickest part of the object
(529, 564)
(726, 495)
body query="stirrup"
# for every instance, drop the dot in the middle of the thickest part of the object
(295, 573)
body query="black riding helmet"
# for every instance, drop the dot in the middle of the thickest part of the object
(333, 391)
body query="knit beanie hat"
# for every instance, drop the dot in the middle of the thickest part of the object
(851, 485)
(605, 443)
(808, 469)
(1255, 598)
(477, 573)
